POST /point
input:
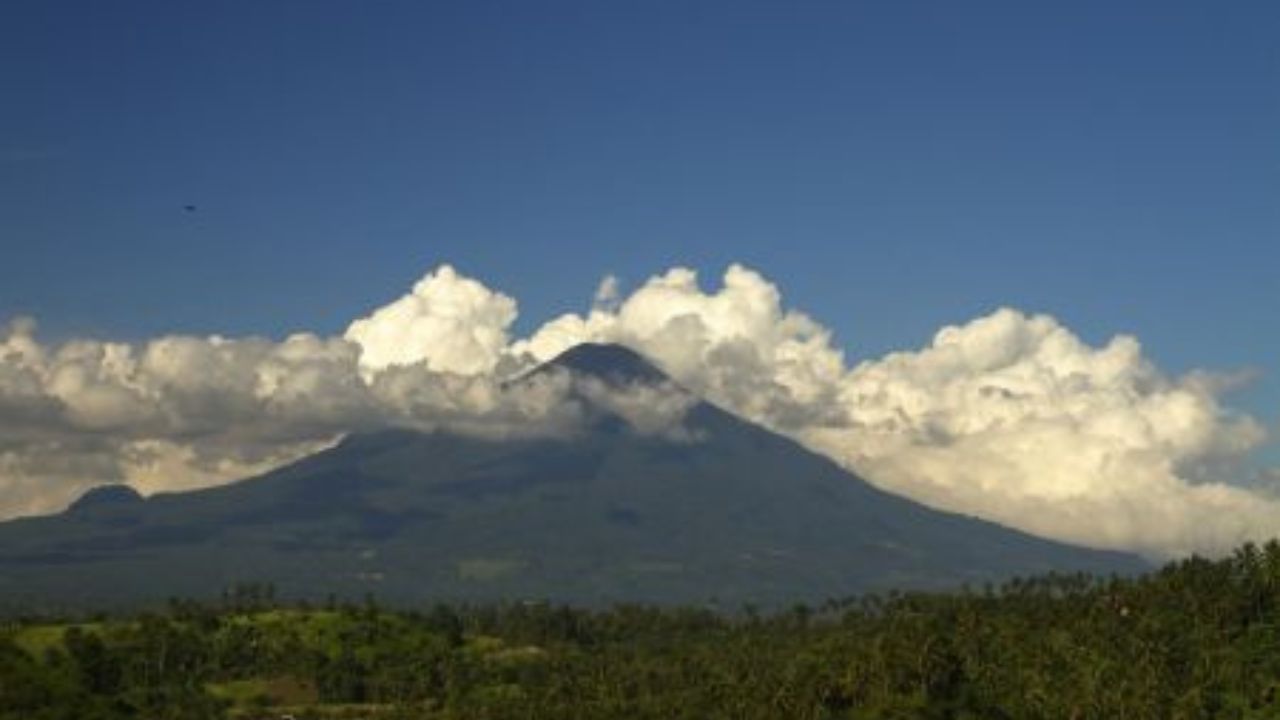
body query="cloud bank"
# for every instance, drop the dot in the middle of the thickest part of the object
(1010, 416)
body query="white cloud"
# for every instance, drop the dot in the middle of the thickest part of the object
(449, 322)
(736, 346)
(607, 294)
(162, 465)
(648, 409)
(182, 412)
(1014, 418)
(1010, 416)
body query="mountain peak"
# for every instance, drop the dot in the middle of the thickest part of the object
(738, 513)
(612, 363)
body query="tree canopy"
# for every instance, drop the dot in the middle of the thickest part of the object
(1196, 639)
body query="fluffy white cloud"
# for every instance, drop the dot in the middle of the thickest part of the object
(182, 412)
(449, 322)
(1010, 416)
(736, 346)
(657, 409)
(1014, 418)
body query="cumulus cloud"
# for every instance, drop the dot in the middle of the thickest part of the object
(183, 412)
(449, 322)
(607, 293)
(648, 409)
(736, 346)
(1010, 416)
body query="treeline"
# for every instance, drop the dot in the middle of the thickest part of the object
(1197, 639)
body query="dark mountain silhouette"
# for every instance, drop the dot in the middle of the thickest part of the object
(728, 513)
(614, 364)
(105, 496)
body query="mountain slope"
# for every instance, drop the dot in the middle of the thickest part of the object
(725, 512)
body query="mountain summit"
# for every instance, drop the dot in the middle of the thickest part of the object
(729, 513)
(612, 364)
(615, 364)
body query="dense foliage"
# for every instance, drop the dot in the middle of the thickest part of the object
(1196, 639)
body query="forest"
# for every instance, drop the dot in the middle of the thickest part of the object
(1197, 638)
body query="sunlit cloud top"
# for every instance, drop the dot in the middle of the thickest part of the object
(1010, 416)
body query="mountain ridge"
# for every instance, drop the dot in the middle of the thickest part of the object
(738, 515)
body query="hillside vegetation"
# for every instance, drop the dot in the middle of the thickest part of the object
(1197, 639)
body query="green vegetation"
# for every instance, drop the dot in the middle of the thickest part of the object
(1197, 639)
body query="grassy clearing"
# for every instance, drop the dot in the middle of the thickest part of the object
(36, 640)
(250, 696)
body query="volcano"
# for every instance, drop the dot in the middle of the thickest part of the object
(723, 512)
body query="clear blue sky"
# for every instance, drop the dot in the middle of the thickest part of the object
(894, 166)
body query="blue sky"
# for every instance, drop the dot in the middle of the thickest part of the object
(893, 166)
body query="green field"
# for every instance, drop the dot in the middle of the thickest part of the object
(1198, 639)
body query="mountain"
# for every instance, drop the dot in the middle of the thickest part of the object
(725, 512)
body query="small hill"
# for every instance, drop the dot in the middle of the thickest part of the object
(105, 496)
